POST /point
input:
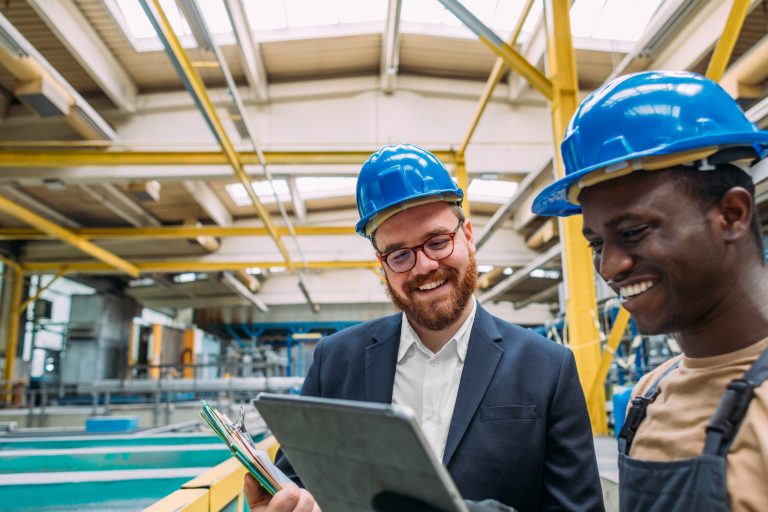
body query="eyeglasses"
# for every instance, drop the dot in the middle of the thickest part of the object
(436, 248)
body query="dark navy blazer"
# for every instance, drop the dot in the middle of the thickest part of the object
(520, 432)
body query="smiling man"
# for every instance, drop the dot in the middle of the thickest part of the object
(501, 406)
(681, 245)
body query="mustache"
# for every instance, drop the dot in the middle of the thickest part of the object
(437, 275)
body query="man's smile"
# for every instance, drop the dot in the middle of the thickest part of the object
(633, 290)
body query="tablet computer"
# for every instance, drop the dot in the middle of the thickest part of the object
(346, 453)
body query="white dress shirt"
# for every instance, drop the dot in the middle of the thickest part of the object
(428, 383)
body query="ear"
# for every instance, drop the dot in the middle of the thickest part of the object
(735, 209)
(469, 235)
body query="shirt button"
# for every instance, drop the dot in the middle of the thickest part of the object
(434, 363)
(429, 417)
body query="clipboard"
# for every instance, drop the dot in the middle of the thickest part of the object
(239, 442)
(346, 452)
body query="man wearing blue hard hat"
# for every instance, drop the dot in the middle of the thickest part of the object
(501, 406)
(657, 163)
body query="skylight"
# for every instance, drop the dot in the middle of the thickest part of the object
(622, 20)
(481, 191)
(491, 191)
(618, 20)
(308, 188)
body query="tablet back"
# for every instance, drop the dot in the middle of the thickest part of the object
(347, 452)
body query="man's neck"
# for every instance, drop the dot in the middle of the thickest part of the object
(738, 323)
(436, 340)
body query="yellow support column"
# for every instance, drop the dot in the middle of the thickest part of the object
(11, 347)
(131, 355)
(188, 354)
(460, 169)
(581, 307)
(157, 347)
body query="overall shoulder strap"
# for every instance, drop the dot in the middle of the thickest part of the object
(725, 423)
(636, 413)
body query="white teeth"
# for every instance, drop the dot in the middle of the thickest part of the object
(635, 289)
(430, 286)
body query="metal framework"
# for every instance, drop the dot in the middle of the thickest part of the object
(559, 86)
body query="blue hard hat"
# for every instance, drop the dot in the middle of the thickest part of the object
(636, 118)
(399, 176)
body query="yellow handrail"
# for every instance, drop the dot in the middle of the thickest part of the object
(215, 489)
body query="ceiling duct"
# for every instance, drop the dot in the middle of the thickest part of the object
(43, 89)
(44, 96)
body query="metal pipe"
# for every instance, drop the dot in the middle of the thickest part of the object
(173, 232)
(493, 79)
(513, 59)
(191, 9)
(727, 41)
(196, 87)
(68, 236)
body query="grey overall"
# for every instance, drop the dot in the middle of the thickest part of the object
(695, 484)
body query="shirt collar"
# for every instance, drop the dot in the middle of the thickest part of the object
(409, 338)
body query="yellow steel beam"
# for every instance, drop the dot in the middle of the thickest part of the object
(182, 500)
(171, 232)
(65, 235)
(527, 70)
(201, 96)
(187, 266)
(727, 41)
(512, 58)
(45, 158)
(581, 306)
(40, 291)
(617, 331)
(463, 180)
(493, 80)
(12, 344)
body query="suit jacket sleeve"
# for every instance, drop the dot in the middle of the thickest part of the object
(311, 387)
(571, 479)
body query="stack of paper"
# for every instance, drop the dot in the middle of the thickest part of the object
(241, 445)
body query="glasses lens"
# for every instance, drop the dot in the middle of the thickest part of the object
(439, 247)
(400, 260)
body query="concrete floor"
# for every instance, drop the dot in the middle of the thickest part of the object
(607, 452)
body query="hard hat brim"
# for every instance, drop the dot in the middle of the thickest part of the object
(553, 200)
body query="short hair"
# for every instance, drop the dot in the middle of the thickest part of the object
(710, 186)
(457, 210)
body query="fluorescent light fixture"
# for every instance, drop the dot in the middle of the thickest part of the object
(254, 271)
(542, 273)
(309, 188)
(508, 271)
(482, 269)
(187, 277)
(276, 270)
(144, 281)
(491, 191)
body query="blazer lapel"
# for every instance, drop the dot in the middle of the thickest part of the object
(381, 360)
(483, 355)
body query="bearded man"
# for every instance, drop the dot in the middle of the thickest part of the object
(501, 406)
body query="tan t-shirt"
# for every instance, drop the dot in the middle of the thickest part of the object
(675, 425)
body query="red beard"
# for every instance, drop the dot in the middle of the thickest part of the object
(440, 312)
